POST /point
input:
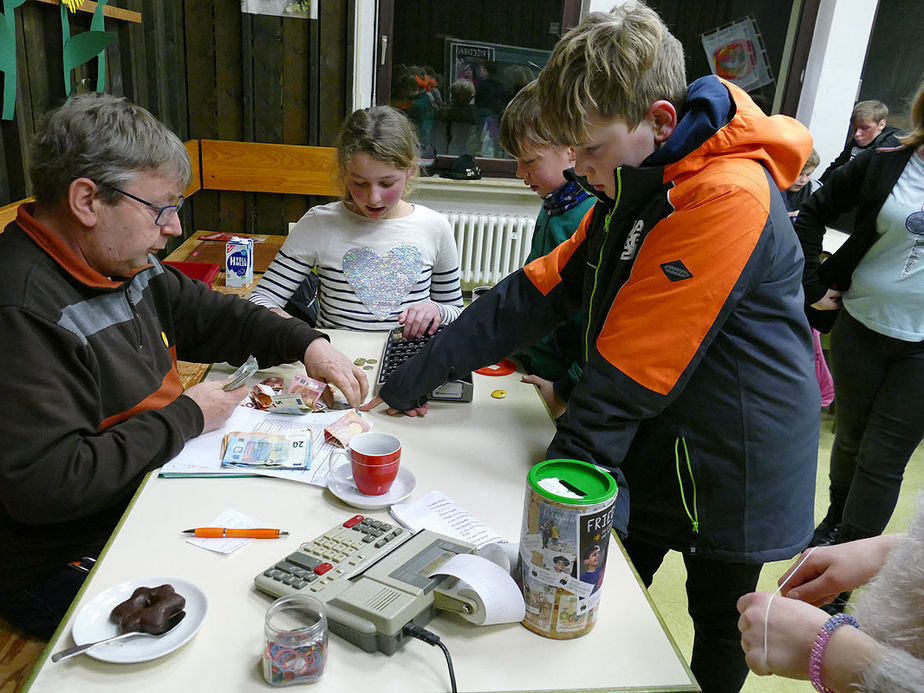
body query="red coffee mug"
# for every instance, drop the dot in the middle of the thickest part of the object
(375, 459)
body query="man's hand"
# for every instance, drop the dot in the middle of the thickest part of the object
(216, 403)
(376, 401)
(419, 319)
(324, 363)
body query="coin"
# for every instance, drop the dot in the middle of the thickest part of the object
(499, 394)
(359, 361)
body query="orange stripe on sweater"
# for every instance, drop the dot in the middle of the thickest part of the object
(170, 388)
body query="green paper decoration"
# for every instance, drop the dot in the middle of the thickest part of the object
(84, 46)
(77, 50)
(8, 56)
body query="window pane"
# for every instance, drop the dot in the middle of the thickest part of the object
(456, 65)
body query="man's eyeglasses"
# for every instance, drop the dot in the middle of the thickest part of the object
(164, 213)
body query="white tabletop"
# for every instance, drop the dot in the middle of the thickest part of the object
(478, 454)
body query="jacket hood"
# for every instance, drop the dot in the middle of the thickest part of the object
(721, 120)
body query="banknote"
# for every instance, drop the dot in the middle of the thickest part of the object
(267, 450)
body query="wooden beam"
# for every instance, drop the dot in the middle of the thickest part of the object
(108, 10)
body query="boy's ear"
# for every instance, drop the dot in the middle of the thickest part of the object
(571, 154)
(663, 117)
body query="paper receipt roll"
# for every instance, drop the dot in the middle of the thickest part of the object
(496, 597)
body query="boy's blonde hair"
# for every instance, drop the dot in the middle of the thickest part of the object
(869, 110)
(614, 65)
(812, 161)
(382, 132)
(521, 130)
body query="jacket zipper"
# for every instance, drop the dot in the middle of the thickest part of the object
(606, 232)
(131, 307)
(694, 516)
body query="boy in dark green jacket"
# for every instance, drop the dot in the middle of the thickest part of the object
(552, 362)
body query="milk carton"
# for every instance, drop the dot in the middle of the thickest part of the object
(239, 262)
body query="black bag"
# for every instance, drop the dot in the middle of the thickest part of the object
(304, 302)
(465, 167)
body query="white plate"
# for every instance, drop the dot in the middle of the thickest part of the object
(341, 485)
(93, 622)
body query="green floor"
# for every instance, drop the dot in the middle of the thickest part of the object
(667, 590)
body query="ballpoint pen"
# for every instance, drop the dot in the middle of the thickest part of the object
(253, 533)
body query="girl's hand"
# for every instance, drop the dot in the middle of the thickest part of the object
(793, 626)
(420, 318)
(831, 570)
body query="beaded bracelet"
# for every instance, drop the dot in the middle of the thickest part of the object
(821, 644)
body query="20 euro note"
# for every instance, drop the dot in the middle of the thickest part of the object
(267, 450)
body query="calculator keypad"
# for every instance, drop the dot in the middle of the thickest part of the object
(325, 558)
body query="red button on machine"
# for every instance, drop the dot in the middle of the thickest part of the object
(323, 568)
(356, 519)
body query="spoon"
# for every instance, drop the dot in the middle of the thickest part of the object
(172, 623)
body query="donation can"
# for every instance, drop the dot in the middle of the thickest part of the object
(567, 519)
(239, 262)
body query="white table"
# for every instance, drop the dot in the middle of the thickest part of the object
(479, 455)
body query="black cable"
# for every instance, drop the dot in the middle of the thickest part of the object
(431, 638)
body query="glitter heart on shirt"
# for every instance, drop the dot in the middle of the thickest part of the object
(382, 282)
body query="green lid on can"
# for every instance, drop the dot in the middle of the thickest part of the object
(576, 482)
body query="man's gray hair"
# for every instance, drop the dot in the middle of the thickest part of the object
(104, 138)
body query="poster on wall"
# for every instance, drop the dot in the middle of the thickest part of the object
(736, 52)
(300, 9)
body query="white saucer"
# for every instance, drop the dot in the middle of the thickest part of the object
(341, 485)
(93, 622)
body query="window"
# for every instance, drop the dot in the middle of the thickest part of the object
(453, 66)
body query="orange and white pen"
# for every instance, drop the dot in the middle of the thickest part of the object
(253, 533)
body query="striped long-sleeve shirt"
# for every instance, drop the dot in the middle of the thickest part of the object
(370, 270)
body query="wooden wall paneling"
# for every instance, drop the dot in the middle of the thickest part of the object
(134, 61)
(230, 101)
(202, 81)
(267, 209)
(248, 101)
(334, 81)
(295, 99)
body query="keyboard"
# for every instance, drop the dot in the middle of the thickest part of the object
(399, 349)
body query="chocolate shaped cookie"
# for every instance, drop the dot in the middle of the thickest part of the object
(148, 609)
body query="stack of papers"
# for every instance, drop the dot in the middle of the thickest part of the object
(202, 455)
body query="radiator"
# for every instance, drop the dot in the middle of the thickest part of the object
(490, 246)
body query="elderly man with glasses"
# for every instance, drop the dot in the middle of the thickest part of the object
(93, 325)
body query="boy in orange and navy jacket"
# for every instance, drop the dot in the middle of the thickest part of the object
(698, 391)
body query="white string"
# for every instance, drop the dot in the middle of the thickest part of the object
(770, 601)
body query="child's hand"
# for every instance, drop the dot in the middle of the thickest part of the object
(830, 301)
(555, 404)
(419, 319)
